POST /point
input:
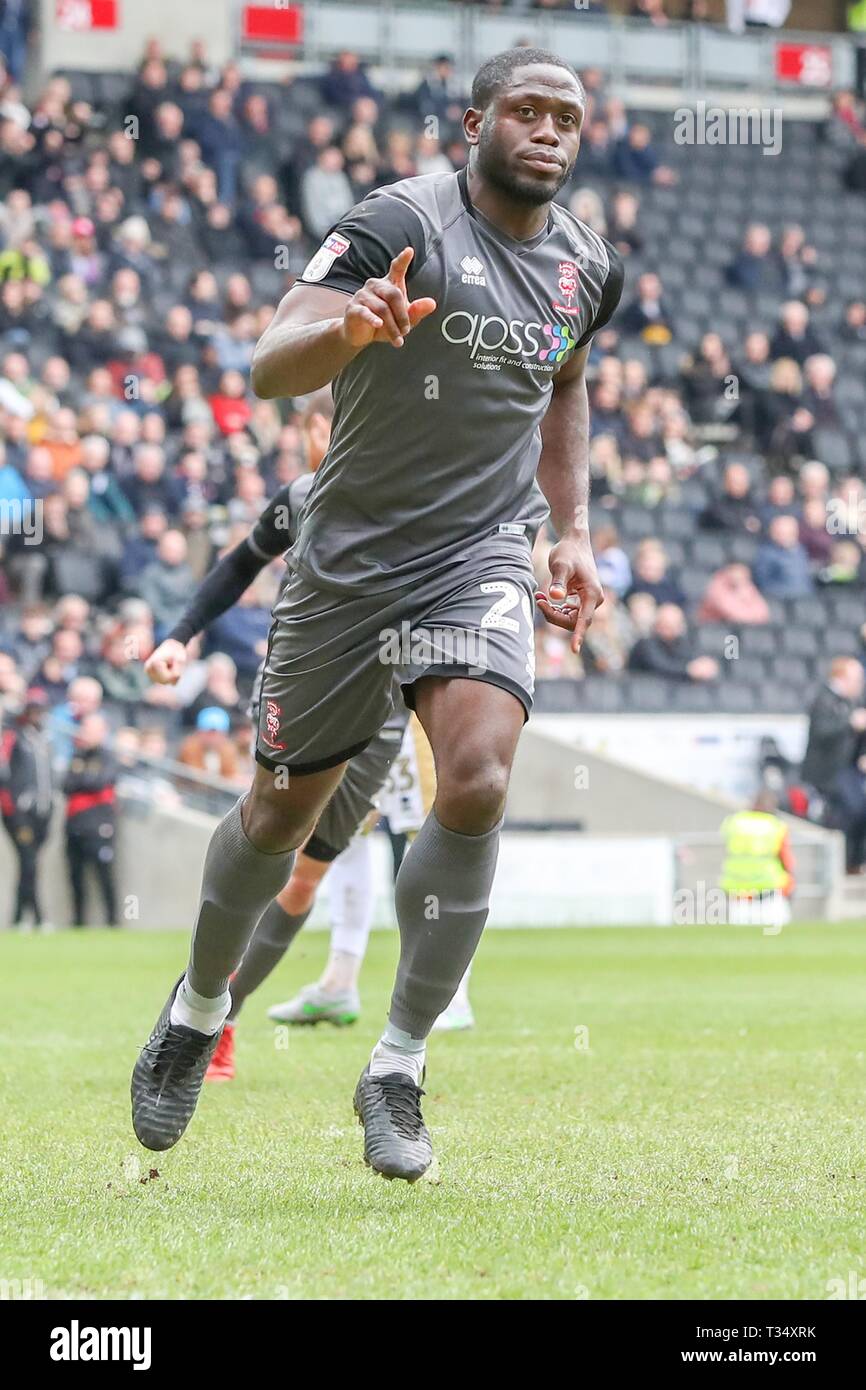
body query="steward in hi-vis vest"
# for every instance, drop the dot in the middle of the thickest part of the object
(758, 857)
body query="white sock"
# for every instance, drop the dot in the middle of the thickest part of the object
(352, 898)
(191, 1010)
(399, 1051)
(341, 972)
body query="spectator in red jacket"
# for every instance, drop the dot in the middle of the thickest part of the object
(91, 818)
(231, 409)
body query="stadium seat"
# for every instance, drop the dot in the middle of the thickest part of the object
(676, 523)
(710, 639)
(646, 694)
(695, 699)
(636, 522)
(801, 641)
(786, 699)
(693, 583)
(115, 89)
(758, 641)
(842, 641)
(743, 548)
(711, 551)
(832, 448)
(847, 608)
(601, 695)
(794, 671)
(808, 613)
(557, 696)
(739, 699)
(746, 670)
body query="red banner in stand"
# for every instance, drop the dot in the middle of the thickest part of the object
(272, 23)
(83, 16)
(808, 64)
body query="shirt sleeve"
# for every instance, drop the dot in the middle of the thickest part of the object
(274, 531)
(610, 294)
(218, 591)
(362, 245)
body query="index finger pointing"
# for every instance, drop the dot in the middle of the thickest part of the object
(585, 616)
(399, 266)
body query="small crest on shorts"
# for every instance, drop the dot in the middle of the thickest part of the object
(333, 246)
(273, 720)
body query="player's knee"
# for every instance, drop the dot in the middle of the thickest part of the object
(471, 794)
(271, 824)
(300, 891)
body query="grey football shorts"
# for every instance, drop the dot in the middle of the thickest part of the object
(328, 675)
(362, 781)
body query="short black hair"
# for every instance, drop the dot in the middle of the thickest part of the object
(496, 73)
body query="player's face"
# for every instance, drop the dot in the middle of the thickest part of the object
(530, 134)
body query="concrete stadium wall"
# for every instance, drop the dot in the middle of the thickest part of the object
(159, 861)
(554, 781)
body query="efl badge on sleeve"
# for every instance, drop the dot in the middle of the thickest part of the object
(332, 247)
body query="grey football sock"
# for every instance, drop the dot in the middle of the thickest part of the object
(238, 883)
(442, 900)
(271, 939)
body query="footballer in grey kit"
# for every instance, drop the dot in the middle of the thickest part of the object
(453, 315)
(426, 504)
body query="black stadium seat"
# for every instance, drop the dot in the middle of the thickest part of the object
(747, 670)
(646, 694)
(833, 448)
(843, 641)
(791, 669)
(758, 641)
(801, 641)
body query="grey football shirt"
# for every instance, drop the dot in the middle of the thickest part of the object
(435, 445)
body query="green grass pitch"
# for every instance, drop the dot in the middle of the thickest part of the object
(640, 1113)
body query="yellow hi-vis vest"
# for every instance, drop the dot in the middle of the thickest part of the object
(857, 16)
(753, 840)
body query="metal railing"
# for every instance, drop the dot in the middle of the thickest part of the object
(819, 857)
(152, 781)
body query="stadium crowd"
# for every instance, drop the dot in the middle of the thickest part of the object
(149, 224)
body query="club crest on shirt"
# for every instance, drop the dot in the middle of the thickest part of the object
(567, 287)
(333, 246)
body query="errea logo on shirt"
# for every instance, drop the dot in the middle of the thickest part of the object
(473, 271)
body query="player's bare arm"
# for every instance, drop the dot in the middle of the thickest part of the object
(575, 591)
(317, 331)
